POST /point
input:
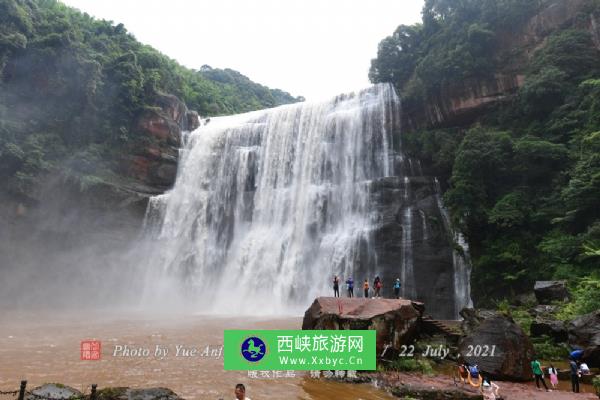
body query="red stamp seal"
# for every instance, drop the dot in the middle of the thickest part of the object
(90, 349)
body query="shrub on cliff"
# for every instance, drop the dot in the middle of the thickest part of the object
(81, 82)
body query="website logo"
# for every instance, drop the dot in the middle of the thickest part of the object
(294, 350)
(253, 349)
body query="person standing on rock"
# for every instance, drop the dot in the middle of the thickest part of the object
(574, 375)
(377, 286)
(366, 288)
(350, 283)
(336, 286)
(397, 288)
(538, 374)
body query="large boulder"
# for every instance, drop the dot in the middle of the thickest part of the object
(58, 391)
(496, 344)
(547, 292)
(584, 333)
(548, 327)
(545, 323)
(124, 393)
(54, 391)
(395, 320)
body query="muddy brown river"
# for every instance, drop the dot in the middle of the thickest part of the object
(45, 347)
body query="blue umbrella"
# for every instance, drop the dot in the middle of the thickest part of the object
(576, 354)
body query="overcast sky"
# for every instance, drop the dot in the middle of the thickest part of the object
(313, 48)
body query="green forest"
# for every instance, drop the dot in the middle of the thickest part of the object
(523, 179)
(71, 87)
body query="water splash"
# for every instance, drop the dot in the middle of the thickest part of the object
(268, 205)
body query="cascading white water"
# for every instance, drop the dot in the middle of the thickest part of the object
(461, 262)
(407, 272)
(269, 205)
(424, 225)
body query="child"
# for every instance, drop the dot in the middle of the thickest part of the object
(366, 288)
(553, 376)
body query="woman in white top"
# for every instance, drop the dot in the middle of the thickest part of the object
(489, 390)
(585, 370)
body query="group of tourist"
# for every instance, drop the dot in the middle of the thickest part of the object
(576, 369)
(468, 373)
(377, 285)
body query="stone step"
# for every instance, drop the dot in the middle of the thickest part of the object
(449, 327)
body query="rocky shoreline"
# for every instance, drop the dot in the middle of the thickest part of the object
(438, 387)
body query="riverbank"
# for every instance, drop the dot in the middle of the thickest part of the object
(404, 384)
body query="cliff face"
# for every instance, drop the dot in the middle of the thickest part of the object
(463, 102)
(59, 204)
(72, 231)
(154, 164)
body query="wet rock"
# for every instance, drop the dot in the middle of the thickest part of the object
(407, 385)
(396, 321)
(552, 328)
(152, 160)
(173, 108)
(524, 299)
(158, 126)
(408, 211)
(472, 318)
(497, 344)
(545, 323)
(543, 310)
(193, 120)
(547, 292)
(125, 393)
(54, 391)
(431, 393)
(584, 333)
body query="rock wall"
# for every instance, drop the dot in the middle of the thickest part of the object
(430, 243)
(461, 103)
(154, 163)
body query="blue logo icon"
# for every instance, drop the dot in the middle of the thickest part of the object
(253, 349)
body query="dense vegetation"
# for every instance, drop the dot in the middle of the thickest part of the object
(72, 86)
(523, 179)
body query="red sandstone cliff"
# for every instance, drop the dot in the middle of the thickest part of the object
(464, 101)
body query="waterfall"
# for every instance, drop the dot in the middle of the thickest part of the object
(424, 225)
(269, 205)
(460, 260)
(407, 273)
